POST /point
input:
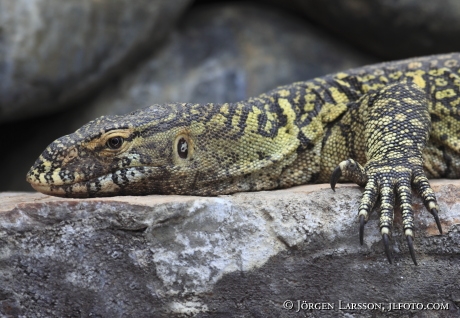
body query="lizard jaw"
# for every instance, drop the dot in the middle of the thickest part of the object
(125, 181)
(49, 190)
(79, 189)
(103, 185)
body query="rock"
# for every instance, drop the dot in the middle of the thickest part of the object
(389, 29)
(219, 53)
(56, 52)
(242, 255)
(227, 53)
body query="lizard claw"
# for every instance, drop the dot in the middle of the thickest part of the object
(386, 243)
(361, 229)
(336, 174)
(349, 169)
(434, 212)
(411, 247)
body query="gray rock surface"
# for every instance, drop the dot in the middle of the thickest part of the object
(227, 53)
(239, 255)
(54, 52)
(388, 29)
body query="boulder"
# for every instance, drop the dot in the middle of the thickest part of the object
(388, 29)
(242, 255)
(226, 53)
(54, 53)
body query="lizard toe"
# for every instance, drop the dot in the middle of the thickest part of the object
(349, 170)
(422, 186)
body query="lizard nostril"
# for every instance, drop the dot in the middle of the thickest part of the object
(71, 154)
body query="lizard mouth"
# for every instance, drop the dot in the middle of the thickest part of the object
(49, 190)
(124, 181)
(59, 187)
(48, 181)
(101, 186)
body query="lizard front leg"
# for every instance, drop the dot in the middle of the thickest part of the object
(397, 126)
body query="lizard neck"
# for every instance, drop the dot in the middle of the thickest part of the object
(253, 145)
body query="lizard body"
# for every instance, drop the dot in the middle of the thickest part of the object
(386, 127)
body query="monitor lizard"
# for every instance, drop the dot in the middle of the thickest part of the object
(387, 127)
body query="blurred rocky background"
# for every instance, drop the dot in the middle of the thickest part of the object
(63, 63)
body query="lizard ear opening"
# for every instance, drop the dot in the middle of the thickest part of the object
(183, 147)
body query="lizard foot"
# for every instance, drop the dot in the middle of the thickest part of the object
(388, 180)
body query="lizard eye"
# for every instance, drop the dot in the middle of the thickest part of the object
(182, 148)
(114, 143)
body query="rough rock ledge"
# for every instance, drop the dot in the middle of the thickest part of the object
(239, 255)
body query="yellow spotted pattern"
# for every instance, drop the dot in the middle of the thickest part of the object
(388, 126)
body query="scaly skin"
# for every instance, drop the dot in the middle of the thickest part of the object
(387, 127)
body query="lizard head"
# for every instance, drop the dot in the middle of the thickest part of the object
(164, 149)
(131, 154)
